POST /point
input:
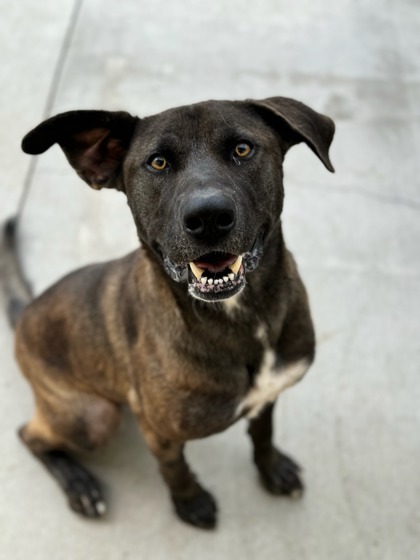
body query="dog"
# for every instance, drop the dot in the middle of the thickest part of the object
(207, 322)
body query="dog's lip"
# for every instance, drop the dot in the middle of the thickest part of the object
(218, 270)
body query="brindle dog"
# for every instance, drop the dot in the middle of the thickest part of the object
(204, 324)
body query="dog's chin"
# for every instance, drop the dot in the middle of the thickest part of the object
(216, 276)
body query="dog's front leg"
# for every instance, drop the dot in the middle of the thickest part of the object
(192, 502)
(279, 473)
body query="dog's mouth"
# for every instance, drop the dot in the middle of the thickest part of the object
(217, 275)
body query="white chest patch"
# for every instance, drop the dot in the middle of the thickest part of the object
(232, 305)
(270, 382)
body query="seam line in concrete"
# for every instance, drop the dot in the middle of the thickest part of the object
(51, 97)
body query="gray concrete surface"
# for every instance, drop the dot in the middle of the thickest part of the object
(354, 422)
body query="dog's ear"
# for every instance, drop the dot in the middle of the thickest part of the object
(94, 142)
(295, 122)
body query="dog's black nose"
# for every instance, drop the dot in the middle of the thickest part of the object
(209, 216)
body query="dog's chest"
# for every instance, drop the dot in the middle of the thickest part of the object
(264, 386)
(237, 381)
(270, 381)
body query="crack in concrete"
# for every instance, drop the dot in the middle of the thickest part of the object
(50, 101)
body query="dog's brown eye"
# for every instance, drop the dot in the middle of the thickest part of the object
(158, 163)
(243, 150)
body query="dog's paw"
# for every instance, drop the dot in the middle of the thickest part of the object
(199, 511)
(82, 489)
(280, 475)
(84, 494)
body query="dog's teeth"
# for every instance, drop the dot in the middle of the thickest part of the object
(225, 279)
(198, 272)
(210, 281)
(204, 280)
(236, 265)
(231, 276)
(217, 282)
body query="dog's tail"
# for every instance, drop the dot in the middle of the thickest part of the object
(16, 289)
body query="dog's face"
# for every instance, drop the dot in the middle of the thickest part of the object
(205, 186)
(204, 182)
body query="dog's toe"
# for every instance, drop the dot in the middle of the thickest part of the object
(280, 475)
(199, 511)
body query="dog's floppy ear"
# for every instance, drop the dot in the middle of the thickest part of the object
(295, 122)
(94, 142)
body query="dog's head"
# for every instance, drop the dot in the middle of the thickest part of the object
(204, 182)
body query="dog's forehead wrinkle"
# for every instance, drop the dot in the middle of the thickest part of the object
(222, 116)
(234, 128)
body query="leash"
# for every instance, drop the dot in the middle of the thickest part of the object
(49, 104)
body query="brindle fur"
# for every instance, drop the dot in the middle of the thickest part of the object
(126, 332)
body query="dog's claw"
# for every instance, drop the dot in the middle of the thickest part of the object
(280, 475)
(199, 511)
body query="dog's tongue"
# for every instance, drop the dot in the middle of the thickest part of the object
(217, 262)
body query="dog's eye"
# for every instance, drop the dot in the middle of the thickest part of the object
(158, 163)
(243, 150)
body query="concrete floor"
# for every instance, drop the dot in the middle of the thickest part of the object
(354, 422)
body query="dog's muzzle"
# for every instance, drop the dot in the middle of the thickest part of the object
(208, 218)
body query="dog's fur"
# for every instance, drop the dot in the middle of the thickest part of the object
(134, 331)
